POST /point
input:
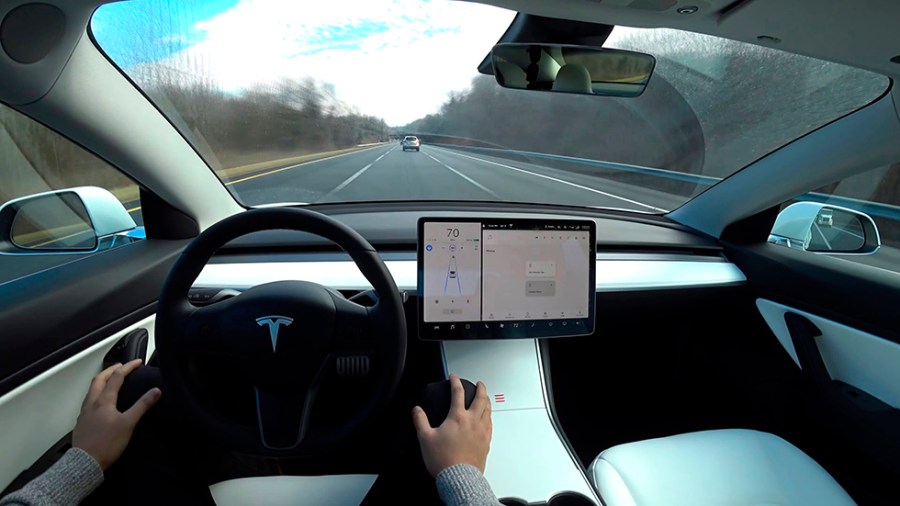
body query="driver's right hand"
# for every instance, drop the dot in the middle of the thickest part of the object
(465, 435)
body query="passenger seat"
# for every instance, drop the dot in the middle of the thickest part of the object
(713, 468)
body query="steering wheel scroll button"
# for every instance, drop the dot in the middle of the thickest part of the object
(353, 367)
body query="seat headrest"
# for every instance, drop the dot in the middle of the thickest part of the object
(513, 76)
(573, 78)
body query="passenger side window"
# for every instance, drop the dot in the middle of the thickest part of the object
(856, 219)
(58, 202)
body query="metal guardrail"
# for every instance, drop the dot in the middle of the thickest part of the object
(874, 209)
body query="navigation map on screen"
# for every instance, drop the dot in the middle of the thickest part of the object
(519, 278)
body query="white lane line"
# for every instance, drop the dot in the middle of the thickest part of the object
(289, 167)
(354, 176)
(562, 181)
(467, 178)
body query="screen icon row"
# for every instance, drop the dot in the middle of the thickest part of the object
(506, 329)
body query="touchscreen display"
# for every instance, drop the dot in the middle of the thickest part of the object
(484, 279)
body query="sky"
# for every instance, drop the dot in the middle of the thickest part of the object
(395, 59)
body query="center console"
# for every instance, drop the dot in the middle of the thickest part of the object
(488, 290)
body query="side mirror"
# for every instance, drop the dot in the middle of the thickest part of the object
(74, 220)
(572, 69)
(823, 228)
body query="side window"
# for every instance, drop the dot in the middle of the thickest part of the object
(57, 201)
(856, 219)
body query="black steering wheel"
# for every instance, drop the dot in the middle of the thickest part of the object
(285, 337)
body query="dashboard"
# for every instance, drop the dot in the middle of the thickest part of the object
(633, 253)
(610, 265)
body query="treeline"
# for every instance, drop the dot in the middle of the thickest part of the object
(287, 118)
(712, 106)
(270, 122)
(34, 159)
(572, 125)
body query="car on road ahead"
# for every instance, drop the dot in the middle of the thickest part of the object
(733, 222)
(410, 142)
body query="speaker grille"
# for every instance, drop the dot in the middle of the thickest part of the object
(30, 32)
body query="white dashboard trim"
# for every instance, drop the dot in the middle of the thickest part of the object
(613, 274)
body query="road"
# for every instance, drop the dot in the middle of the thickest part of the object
(438, 173)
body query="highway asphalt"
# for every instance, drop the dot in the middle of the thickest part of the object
(439, 173)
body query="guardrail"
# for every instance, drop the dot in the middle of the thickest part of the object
(874, 209)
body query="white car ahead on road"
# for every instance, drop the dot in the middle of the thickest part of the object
(410, 142)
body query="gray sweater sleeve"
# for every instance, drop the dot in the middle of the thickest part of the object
(66, 483)
(464, 485)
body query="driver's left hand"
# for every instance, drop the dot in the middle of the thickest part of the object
(102, 431)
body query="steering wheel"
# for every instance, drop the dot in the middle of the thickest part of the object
(285, 337)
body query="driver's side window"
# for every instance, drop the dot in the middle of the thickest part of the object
(58, 202)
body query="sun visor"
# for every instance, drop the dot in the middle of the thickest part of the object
(532, 28)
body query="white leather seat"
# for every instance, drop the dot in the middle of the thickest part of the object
(513, 76)
(718, 467)
(573, 78)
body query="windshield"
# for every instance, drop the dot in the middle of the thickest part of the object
(293, 103)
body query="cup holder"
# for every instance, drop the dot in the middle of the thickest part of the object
(560, 499)
(570, 499)
(513, 501)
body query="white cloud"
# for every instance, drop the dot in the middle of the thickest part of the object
(400, 71)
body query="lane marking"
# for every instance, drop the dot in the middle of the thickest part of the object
(275, 171)
(562, 181)
(353, 177)
(467, 178)
(58, 239)
(138, 208)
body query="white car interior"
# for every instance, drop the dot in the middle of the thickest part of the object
(573, 417)
(705, 466)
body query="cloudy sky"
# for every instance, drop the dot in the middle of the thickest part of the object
(396, 59)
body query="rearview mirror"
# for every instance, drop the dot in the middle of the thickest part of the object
(824, 228)
(74, 220)
(572, 69)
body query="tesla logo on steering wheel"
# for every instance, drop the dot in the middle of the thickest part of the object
(274, 322)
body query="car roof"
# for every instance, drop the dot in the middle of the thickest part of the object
(862, 33)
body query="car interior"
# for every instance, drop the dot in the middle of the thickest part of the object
(695, 359)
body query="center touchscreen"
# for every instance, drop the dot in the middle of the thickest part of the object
(497, 279)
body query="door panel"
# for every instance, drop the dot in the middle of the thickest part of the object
(50, 316)
(57, 327)
(860, 359)
(51, 402)
(837, 320)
